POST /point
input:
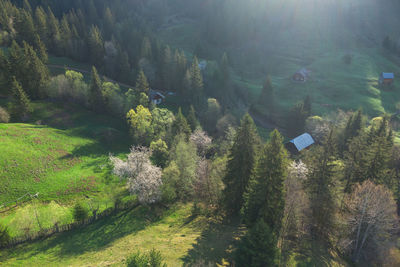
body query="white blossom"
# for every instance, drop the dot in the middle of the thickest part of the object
(201, 140)
(144, 179)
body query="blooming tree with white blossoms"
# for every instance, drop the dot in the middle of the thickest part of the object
(143, 178)
(201, 140)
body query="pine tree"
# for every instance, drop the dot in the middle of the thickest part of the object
(180, 65)
(25, 27)
(267, 95)
(180, 126)
(192, 119)
(91, 11)
(257, 248)
(41, 49)
(35, 75)
(20, 105)
(96, 46)
(225, 69)
(27, 6)
(96, 97)
(167, 68)
(53, 32)
(265, 196)
(368, 156)
(124, 73)
(108, 24)
(320, 186)
(353, 128)
(196, 81)
(66, 35)
(41, 23)
(4, 74)
(146, 49)
(142, 85)
(240, 165)
(186, 85)
(296, 120)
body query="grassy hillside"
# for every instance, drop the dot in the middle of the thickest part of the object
(110, 241)
(55, 161)
(63, 157)
(334, 84)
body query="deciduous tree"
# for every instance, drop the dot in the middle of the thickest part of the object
(370, 220)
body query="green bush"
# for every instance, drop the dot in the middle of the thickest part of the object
(4, 235)
(80, 212)
(150, 259)
(4, 116)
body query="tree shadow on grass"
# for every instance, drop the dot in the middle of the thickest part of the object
(96, 236)
(214, 245)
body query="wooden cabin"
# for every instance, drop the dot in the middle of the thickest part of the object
(301, 76)
(386, 78)
(300, 143)
(156, 97)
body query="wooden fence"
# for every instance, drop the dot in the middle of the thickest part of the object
(45, 233)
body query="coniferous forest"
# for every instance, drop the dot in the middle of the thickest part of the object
(199, 133)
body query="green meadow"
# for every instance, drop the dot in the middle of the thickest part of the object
(63, 157)
(181, 238)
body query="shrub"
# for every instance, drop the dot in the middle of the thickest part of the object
(80, 212)
(4, 116)
(150, 259)
(4, 235)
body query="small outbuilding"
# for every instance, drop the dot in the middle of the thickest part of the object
(301, 76)
(203, 65)
(386, 78)
(300, 143)
(156, 97)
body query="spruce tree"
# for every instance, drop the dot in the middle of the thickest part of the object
(240, 165)
(296, 120)
(41, 49)
(166, 66)
(353, 128)
(25, 27)
(257, 248)
(27, 6)
(53, 33)
(96, 46)
(142, 85)
(96, 97)
(4, 74)
(196, 81)
(320, 186)
(108, 24)
(265, 196)
(41, 23)
(225, 69)
(180, 126)
(20, 105)
(146, 51)
(35, 76)
(192, 119)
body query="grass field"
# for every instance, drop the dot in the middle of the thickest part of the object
(63, 157)
(333, 84)
(108, 242)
